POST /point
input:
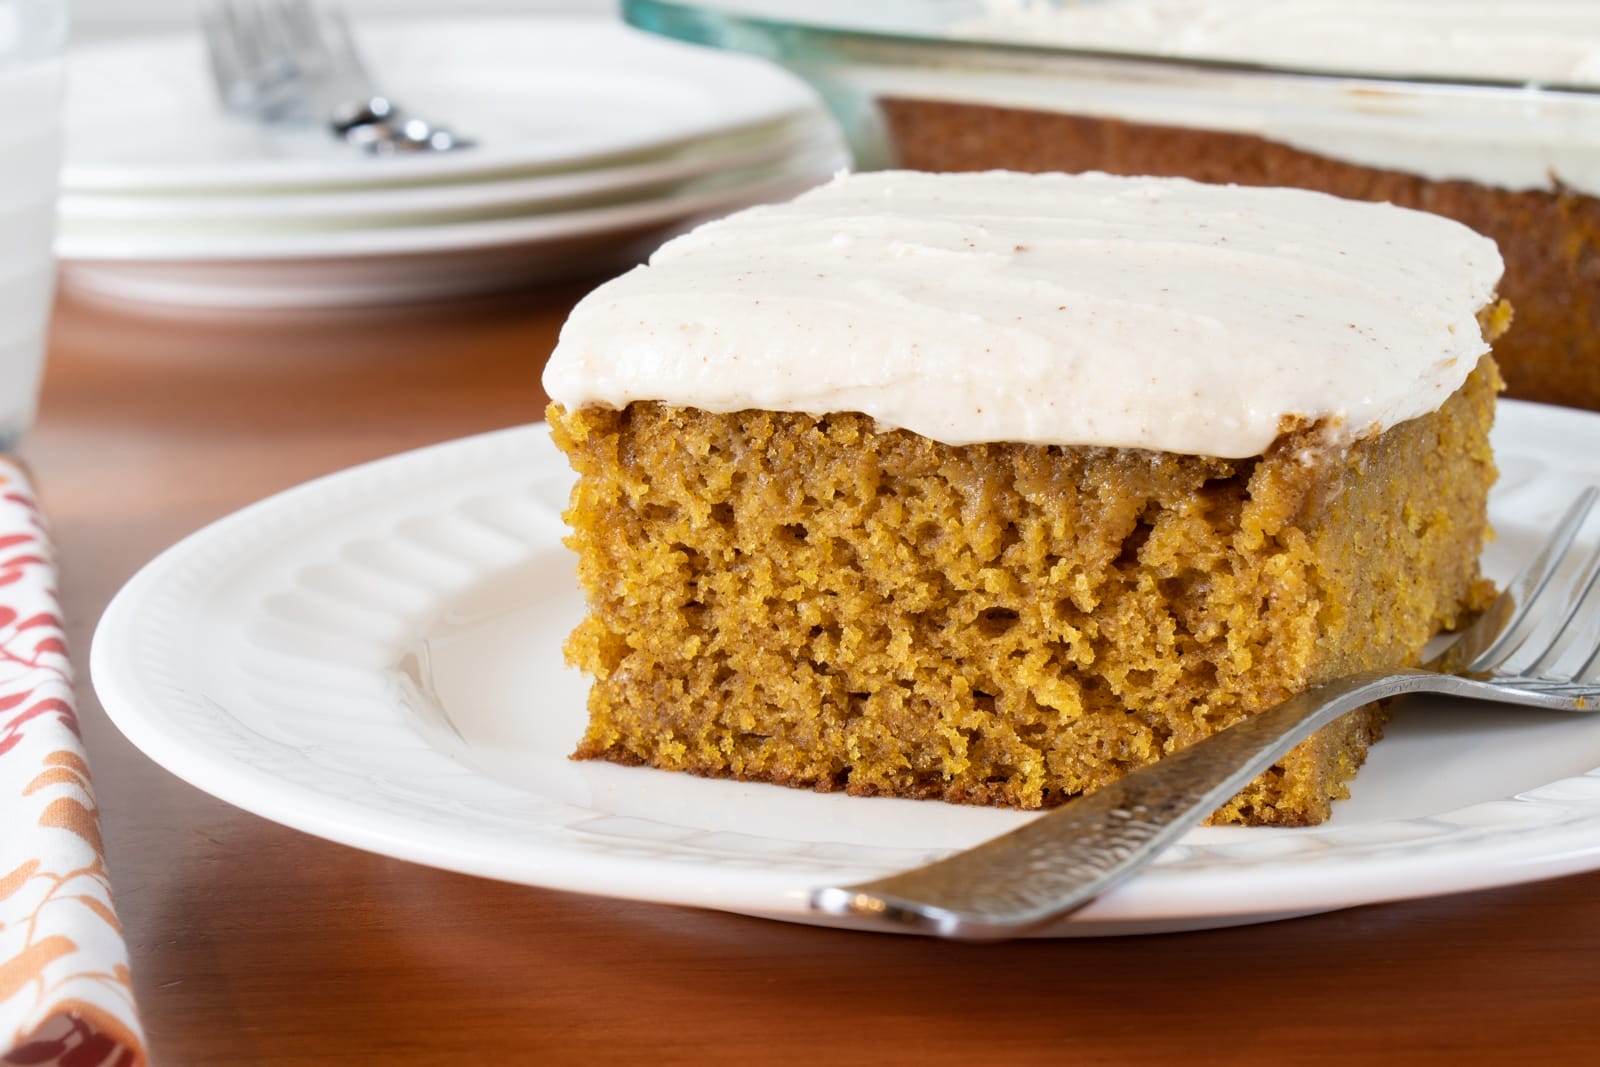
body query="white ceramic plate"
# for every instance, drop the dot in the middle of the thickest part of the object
(284, 211)
(338, 268)
(375, 658)
(203, 241)
(537, 93)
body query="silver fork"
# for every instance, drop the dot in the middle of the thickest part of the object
(1538, 645)
(283, 62)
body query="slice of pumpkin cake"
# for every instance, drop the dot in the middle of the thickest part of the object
(993, 487)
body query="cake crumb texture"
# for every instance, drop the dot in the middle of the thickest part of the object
(809, 601)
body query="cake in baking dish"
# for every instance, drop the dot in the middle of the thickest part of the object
(1521, 167)
(991, 488)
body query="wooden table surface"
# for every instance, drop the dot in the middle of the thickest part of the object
(253, 943)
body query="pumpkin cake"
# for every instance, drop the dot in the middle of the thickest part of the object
(991, 488)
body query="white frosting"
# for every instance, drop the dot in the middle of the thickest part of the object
(1510, 139)
(1051, 309)
(1550, 41)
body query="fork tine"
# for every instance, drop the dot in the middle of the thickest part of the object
(222, 59)
(316, 41)
(1526, 588)
(301, 24)
(345, 42)
(1577, 617)
(234, 54)
(1589, 671)
(239, 17)
(279, 29)
(281, 74)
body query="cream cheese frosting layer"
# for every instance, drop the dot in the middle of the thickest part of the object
(1154, 313)
(1511, 140)
(1551, 41)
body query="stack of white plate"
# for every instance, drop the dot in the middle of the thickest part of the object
(594, 144)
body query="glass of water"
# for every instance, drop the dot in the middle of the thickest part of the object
(32, 35)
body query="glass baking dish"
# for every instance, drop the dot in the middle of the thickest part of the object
(915, 86)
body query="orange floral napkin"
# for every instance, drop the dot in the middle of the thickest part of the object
(64, 992)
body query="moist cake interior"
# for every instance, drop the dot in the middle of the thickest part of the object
(786, 598)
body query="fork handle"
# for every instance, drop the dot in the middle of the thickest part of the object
(1061, 861)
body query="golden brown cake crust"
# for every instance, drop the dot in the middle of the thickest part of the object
(1550, 240)
(808, 601)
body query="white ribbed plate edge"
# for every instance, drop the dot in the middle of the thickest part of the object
(374, 658)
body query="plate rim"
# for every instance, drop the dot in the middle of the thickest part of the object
(1208, 892)
(787, 178)
(789, 138)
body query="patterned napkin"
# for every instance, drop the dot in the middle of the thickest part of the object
(65, 997)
